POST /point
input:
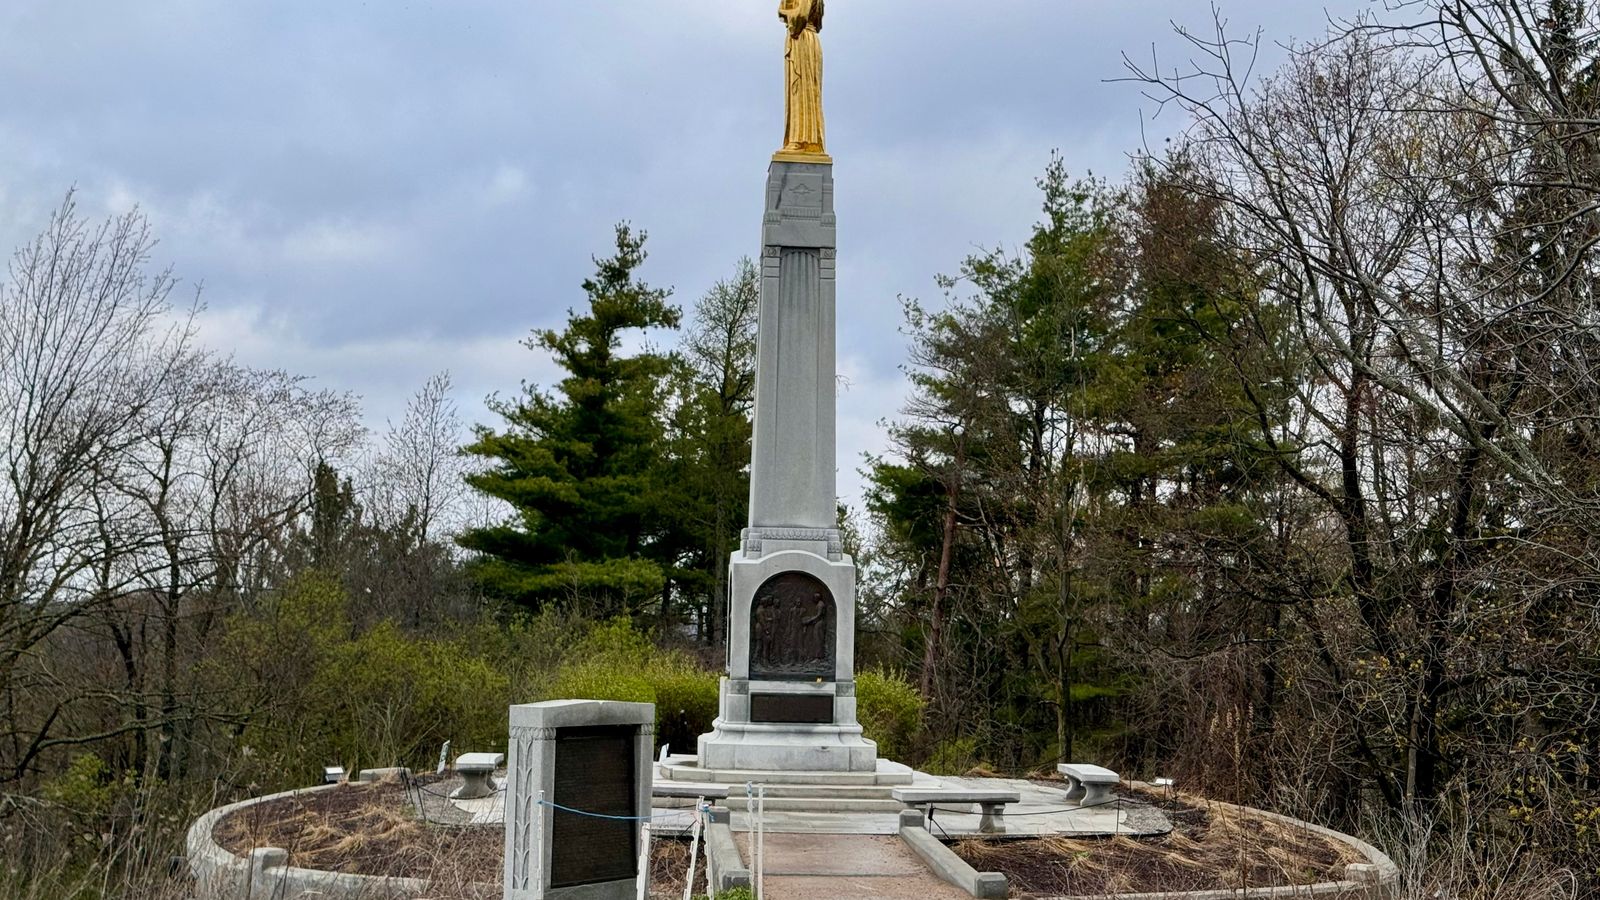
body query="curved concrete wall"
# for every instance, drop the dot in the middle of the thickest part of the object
(265, 874)
(1376, 879)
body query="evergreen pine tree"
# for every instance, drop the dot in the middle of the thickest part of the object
(577, 466)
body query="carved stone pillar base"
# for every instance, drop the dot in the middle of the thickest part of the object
(800, 723)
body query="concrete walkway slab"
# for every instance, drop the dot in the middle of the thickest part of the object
(811, 866)
(1043, 810)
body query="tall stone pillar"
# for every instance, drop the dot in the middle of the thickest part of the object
(788, 700)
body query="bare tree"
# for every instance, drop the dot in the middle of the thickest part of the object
(1419, 204)
(87, 346)
(422, 470)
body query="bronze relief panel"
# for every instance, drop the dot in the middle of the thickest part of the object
(792, 628)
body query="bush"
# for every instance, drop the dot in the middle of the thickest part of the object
(400, 698)
(686, 703)
(956, 756)
(890, 711)
(602, 680)
(614, 661)
(738, 893)
(380, 698)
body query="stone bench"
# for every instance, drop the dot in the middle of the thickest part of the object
(477, 775)
(1088, 785)
(992, 803)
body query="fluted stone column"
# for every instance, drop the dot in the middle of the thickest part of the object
(795, 714)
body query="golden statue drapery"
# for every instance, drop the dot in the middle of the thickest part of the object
(802, 69)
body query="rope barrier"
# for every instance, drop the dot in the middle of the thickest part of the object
(595, 815)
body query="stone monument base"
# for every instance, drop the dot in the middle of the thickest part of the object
(737, 744)
(771, 720)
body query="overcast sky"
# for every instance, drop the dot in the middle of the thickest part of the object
(371, 192)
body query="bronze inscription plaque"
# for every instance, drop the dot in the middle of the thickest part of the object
(792, 709)
(594, 773)
(792, 623)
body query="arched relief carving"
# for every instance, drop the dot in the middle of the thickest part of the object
(793, 623)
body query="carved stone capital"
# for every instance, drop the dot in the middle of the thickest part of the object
(833, 538)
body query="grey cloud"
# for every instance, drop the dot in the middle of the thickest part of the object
(415, 171)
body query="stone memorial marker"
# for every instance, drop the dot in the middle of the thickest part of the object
(579, 788)
(788, 701)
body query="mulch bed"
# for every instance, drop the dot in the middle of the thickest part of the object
(1206, 850)
(362, 829)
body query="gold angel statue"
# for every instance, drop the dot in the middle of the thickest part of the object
(802, 68)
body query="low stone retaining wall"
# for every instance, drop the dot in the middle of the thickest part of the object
(1376, 879)
(266, 875)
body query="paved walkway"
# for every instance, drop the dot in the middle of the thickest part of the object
(816, 866)
(1043, 810)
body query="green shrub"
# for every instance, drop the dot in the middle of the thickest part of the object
(954, 757)
(890, 711)
(686, 703)
(738, 893)
(88, 789)
(380, 698)
(614, 661)
(400, 697)
(602, 680)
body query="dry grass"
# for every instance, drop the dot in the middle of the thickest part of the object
(1216, 851)
(371, 830)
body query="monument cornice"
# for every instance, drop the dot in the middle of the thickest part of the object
(800, 156)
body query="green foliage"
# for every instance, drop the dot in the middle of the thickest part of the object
(614, 661)
(603, 680)
(955, 756)
(704, 486)
(578, 467)
(890, 711)
(738, 893)
(88, 789)
(397, 698)
(377, 698)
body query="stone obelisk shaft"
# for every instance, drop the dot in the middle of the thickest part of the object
(792, 470)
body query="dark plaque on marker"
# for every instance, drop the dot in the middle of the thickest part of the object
(792, 709)
(594, 773)
(792, 629)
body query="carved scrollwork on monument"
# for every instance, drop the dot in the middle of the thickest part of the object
(832, 537)
(792, 627)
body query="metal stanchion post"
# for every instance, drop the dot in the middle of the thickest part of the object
(761, 841)
(644, 861)
(694, 848)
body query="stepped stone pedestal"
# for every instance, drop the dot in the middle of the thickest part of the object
(788, 701)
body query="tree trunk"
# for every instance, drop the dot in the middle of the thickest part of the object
(941, 590)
